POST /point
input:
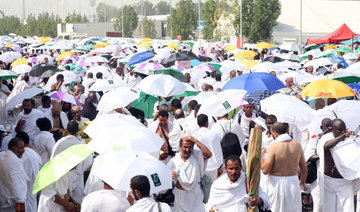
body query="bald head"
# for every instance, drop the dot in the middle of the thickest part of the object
(325, 124)
(179, 113)
(338, 127)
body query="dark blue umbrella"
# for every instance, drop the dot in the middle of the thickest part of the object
(257, 96)
(355, 87)
(254, 82)
(140, 57)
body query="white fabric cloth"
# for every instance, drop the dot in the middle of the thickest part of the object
(13, 181)
(32, 163)
(47, 197)
(338, 195)
(212, 141)
(227, 196)
(44, 143)
(221, 127)
(63, 118)
(148, 205)
(174, 135)
(77, 175)
(105, 200)
(284, 193)
(3, 111)
(191, 171)
(30, 123)
(245, 122)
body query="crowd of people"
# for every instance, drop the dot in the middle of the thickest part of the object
(207, 155)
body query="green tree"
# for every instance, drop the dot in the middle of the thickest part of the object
(162, 8)
(149, 8)
(10, 24)
(149, 28)
(104, 9)
(47, 24)
(130, 21)
(258, 18)
(183, 19)
(76, 18)
(208, 15)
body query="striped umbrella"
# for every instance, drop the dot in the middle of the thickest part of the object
(253, 164)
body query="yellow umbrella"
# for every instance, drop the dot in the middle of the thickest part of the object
(9, 45)
(327, 88)
(248, 63)
(245, 55)
(44, 40)
(230, 48)
(264, 45)
(144, 44)
(100, 45)
(19, 61)
(146, 40)
(174, 46)
(64, 55)
(329, 47)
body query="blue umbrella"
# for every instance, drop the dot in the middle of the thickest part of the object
(140, 57)
(254, 82)
(355, 87)
(195, 62)
(257, 96)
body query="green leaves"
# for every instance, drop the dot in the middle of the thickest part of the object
(183, 19)
(130, 21)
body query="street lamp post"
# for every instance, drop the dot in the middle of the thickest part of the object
(171, 30)
(199, 10)
(122, 19)
(240, 14)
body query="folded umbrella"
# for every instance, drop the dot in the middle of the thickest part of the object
(158, 173)
(58, 166)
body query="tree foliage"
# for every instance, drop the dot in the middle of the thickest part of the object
(76, 18)
(149, 8)
(130, 21)
(10, 24)
(149, 28)
(162, 8)
(183, 19)
(258, 18)
(104, 9)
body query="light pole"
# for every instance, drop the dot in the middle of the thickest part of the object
(171, 31)
(122, 19)
(240, 14)
(105, 15)
(24, 17)
(143, 14)
(199, 10)
(300, 32)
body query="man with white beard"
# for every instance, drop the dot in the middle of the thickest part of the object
(190, 165)
(228, 192)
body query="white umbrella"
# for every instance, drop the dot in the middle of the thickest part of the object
(69, 76)
(289, 65)
(291, 46)
(162, 85)
(21, 69)
(350, 56)
(288, 109)
(25, 94)
(223, 103)
(64, 97)
(296, 75)
(122, 134)
(102, 69)
(117, 98)
(107, 169)
(106, 84)
(316, 63)
(314, 52)
(204, 96)
(327, 53)
(348, 111)
(9, 57)
(290, 56)
(233, 65)
(96, 59)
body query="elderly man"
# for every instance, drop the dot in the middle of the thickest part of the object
(26, 120)
(289, 82)
(76, 115)
(58, 120)
(283, 159)
(13, 179)
(190, 165)
(228, 193)
(140, 189)
(337, 191)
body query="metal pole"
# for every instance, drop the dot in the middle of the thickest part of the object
(105, 17)
(122, 19)
(143, 14)
(300, 33)
(199, 10)
(80, 7)
(65, 9)
(24, 17)
(241, 32)
(171, 29)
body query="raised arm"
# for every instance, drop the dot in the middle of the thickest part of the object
(331, 143)
(206, 152)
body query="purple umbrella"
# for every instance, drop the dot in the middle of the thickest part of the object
(64, 97)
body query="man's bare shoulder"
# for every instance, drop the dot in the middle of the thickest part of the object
(283, 144)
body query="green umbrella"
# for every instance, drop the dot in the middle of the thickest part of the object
(357, 50)
(145, 103)
(7, 74)
(58, 166)
(345, 77)
(344, 50)
(190, 91)
(310, 47)
(217, 66)
(74, 67)
(172, 72)
(189, 43)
